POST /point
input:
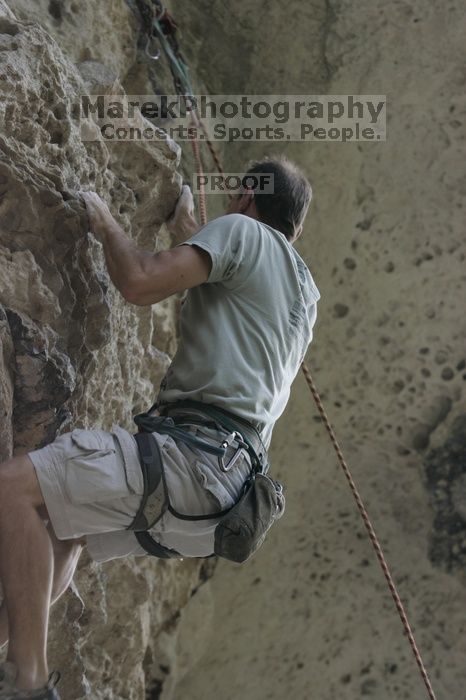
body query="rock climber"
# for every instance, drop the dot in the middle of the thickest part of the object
(246, 322)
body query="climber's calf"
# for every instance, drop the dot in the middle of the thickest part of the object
(26, 570)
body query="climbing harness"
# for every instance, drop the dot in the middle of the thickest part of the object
(242, 527)
(182, 85)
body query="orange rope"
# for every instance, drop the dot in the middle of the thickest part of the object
(341, 459)
(200, 169)
(213, 151)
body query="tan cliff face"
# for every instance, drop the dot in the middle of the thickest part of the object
(309, 615)
(73, 352)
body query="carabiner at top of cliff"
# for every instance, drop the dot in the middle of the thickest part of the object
(160, 24)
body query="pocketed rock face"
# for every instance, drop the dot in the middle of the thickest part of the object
(99, 31)
(72, 351)
(445, 466)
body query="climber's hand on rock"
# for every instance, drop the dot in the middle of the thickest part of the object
(182, 224)
(98, 212)
(185, 203)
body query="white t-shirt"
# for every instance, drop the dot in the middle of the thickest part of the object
(245, 331)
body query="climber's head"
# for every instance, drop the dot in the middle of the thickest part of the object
(286, 207)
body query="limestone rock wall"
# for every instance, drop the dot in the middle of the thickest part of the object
(73, 352)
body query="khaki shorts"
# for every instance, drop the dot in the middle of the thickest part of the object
(92, 485)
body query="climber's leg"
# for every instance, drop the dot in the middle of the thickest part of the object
(66, 556)
(26, 570)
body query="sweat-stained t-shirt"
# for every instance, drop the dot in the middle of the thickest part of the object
(244, 332)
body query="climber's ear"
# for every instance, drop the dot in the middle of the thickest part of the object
(168, 272)
(233, 204)
(246, 202)
(241, 203)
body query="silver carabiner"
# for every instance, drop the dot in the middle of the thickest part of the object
(226, 467)
(234, 458)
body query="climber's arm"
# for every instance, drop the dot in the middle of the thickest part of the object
(123, 258)
(142, 277)
(168, 272)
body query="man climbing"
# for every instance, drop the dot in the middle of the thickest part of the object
(246, 323)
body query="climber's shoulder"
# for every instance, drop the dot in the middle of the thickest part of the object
(167, 272)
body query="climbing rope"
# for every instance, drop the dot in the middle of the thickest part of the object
(159, 23)
(200, 170)
(182, 85)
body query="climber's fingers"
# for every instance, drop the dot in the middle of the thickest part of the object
(184, 208)
(182, 223)
(97, 210)
(95, 205)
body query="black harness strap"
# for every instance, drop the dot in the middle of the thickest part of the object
(153, 476)
(154, 548)
(152, 472)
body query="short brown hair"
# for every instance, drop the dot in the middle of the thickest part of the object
(287, 207)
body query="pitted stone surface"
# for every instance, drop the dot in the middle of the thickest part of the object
(73, 352)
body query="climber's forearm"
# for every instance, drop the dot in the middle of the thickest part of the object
(124, 260)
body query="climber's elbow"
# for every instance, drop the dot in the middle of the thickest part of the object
(139, 295)
(148, 285)
(167, 272)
